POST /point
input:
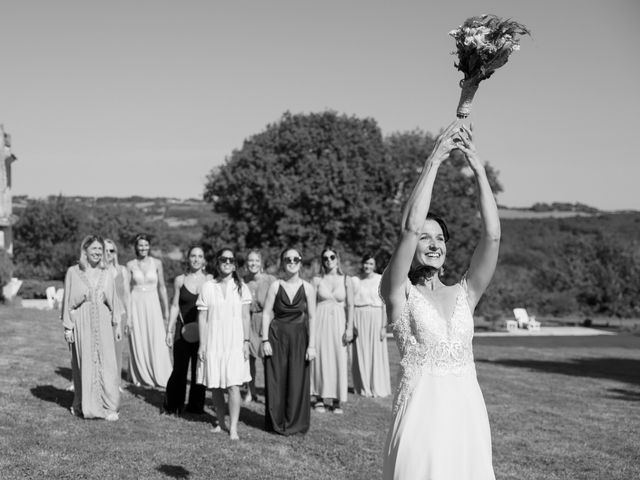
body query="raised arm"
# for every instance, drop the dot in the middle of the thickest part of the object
(267, 316)
(485, 256)
(413, 217)
(174, 310)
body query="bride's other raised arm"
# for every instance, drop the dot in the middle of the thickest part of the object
(485, 256)
(392, 286)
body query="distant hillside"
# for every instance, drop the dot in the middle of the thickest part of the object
(174, 212)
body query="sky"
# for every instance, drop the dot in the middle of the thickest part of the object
(145, 97)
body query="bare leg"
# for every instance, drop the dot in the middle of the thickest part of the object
(234, 411)
(220, 407)
(251, 384)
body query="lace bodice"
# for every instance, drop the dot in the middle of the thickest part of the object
(430, 344)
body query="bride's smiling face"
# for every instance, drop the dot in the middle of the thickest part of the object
(432, 249)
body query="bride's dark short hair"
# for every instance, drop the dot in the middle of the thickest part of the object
(440, 221)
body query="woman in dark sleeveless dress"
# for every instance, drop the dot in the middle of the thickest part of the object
(288, 344)
(183, 337)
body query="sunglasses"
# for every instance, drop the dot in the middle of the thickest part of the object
(230, 260)
(111, 250)
(328, 258)
(294, 260)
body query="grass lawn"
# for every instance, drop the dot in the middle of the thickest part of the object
(560, 408)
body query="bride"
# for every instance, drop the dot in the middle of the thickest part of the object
(440, 428)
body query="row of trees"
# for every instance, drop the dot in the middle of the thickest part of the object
(327, 179)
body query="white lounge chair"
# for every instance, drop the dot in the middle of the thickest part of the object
(524, 320)
(51, 297)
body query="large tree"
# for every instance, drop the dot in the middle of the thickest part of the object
(307, 180)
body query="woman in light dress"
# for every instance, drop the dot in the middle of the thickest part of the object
(149, 358)
(440, 428)
(334, 330)
(223, 355)
(90, 310)
(258, 282)
(121, 280)
(183, 324)
(370, 367)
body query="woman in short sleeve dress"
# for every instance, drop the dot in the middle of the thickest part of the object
(224, 327)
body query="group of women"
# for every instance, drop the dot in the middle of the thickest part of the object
(219, 325)
(440, 428)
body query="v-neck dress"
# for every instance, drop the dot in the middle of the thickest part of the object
(286, 372)
(440, 428)
(329, 371)
(224, 364)
(149, 359)
(88, 310)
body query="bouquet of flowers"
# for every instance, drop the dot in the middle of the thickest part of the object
(483, 44)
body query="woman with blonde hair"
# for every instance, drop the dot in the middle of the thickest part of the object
(334, 331)
(121, 280)
(258, 282)
(89, 312)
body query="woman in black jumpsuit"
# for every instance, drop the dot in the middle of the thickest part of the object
(288, 346)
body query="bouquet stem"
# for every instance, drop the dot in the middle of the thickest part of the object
(469, 88)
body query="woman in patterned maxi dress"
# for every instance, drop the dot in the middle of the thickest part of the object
(440, 428)
(89, 309)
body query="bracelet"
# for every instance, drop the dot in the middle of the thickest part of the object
(265, 341)
(247, 340)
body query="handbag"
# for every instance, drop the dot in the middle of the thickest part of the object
(189, 331)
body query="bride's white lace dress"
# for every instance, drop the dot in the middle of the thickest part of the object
(440, 428)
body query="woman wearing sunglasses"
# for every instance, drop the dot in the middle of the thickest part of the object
(223, 321)
(334, 331)
(288, 321)
(121, 279)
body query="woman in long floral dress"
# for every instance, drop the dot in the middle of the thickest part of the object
(89, 311)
